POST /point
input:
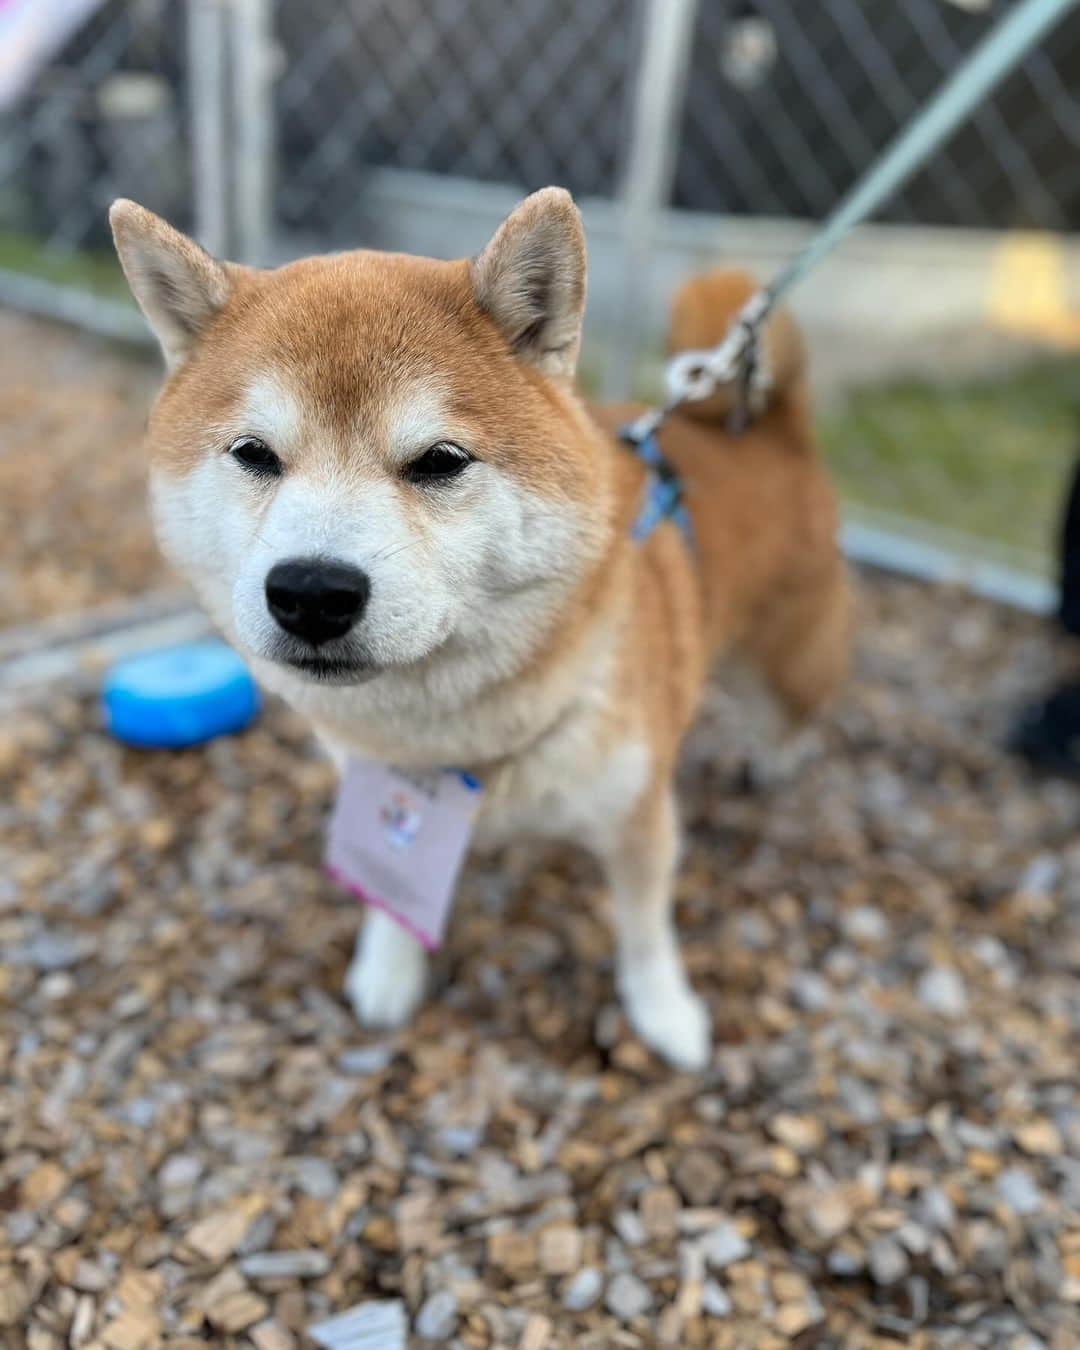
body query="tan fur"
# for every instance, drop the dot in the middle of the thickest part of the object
(575, 723)
(765, 569)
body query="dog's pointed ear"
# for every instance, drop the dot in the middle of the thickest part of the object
(530, 280)
(178, 286)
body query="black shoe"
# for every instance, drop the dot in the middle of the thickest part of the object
(1068, 613)
(1047, 734)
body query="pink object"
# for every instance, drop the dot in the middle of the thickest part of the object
(397, 840)
(31, 33)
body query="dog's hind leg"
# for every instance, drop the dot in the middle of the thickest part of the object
(792, 663)
(769, 744)
(662, 1008)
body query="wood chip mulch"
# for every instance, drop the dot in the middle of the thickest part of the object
(198, 1146)
(73, 518)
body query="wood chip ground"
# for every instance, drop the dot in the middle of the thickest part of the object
(198, 1146)
(73, 515)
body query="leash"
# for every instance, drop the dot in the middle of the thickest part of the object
(694, 375)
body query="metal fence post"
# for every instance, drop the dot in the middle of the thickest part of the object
(207, 74)
(658, 99)
(251, 30)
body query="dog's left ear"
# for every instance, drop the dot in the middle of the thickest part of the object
(530, 279)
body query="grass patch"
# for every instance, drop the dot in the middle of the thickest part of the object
(987, 457)
(87, 270)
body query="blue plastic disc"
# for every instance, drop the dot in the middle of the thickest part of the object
(179, 696)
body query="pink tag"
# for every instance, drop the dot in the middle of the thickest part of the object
(397, 840)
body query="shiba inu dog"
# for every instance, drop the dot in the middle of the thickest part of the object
(377, 474)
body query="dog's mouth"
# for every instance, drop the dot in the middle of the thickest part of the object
(346, 666)
(347, 661)
(331, 670)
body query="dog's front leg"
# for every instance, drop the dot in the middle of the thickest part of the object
(662, 1008)
(388, 973)
(387, 976)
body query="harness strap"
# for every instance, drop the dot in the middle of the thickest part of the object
(663, 498)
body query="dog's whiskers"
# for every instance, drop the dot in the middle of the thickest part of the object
(392, 551)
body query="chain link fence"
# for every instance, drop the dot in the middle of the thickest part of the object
(485, 90)
(942, 335)
(101, 113)
(788, 103)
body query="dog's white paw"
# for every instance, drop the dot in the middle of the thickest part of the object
(384, 996)
(670, 1018)
(768, 767)
(386, 979)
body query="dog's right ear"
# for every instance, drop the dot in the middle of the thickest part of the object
(530, 280)
(178, 286)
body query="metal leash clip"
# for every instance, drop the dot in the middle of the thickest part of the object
(694, 375)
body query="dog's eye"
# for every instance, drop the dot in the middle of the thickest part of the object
(443, 460)
(256, 456)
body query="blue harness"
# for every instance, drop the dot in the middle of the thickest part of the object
(663, 486)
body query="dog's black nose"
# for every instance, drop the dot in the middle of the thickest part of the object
(316, 600)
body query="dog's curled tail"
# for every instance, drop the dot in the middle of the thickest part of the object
(701, 313)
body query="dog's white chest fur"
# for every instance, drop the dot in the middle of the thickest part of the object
(556, 794)
(570, 782)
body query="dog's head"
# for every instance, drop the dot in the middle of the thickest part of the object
(364, 459)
